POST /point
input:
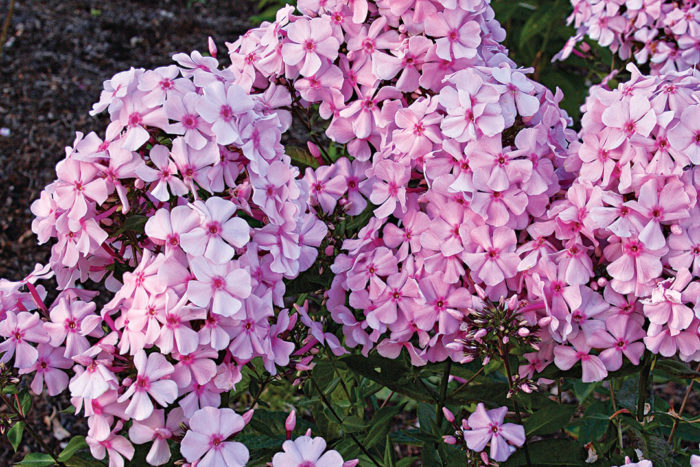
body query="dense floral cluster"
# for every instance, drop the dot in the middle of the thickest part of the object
(453, 145)
(663, 33)
(191, 215)
(486, 223)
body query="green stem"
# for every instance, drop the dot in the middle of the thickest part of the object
(680, 411)
(643, 385)
(30, 430)
(340, 420)
(617, 420)
(504, 356)
(443, 392)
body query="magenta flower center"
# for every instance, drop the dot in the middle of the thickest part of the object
(226, 112)
(166, 84)
(135, 119)
(493, 253)
(218, 283)
(309, 45)
(213, 228)
(142, 383)
(189, 121)
(216, 441)
(634, 248)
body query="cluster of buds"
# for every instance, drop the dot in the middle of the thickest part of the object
(492, 328)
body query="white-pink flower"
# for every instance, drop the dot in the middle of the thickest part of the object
(209, 430)
(150, 382)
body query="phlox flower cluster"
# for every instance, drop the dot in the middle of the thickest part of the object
(662, 33)
(187, 217)
(451, 144)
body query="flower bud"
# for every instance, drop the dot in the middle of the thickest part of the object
(448, 414)
(212, 47)
(248, 416)
(290, 423)
(449, 439)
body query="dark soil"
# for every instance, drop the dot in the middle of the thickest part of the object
(56, 56)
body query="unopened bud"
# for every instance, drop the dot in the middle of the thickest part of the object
(448, 414)
(523, 332)
(248, 416)
(676, 229)
(602, 282)
(351, 463)
(448, 439)
(290, 423)
(212, 47)
(505, 339)
(484, 457)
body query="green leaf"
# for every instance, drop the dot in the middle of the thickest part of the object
(25, 402)
(676, 368)
(426, 418)
(380, 425)
(407, 461)
(301, 156)
(549, 419)
(390, 373)
(559, 452)
(14, 434)
(429, 455)
(389, 453)
(75, 444)
(36, 459)
(536, 24)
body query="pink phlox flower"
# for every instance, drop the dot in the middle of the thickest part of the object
(495, 259)
(364, 113)
(628, 117)
(135, 116)
(193, 164)
(667, 304)
(19, 329)
(48, 366)
(486, 426)
(150, 382)
(209, 429)
(164, 175)
(538, 251)
(622, 335)
(400, 293)
(372, 267)
(218, 233)
(684, 247)
(519, 93)
(632, 265)
(72, 321)
(322, 85)
(408, 236)
(282, 241)
(281, 349)
(197, 396)
(195, 61)
(566, 356)
(188, 122)
(115, 446)
(472, 107)
(326, 186)
(310, 42)
(587, 310)
(166, 226)
(389, 187)
(418, 128)
(97, 377)
(101, 412)
(198, 365)
(143, 281)
(493, 166)
(221, 107)
(174, 331)
(668, 204)
(249, 337)
(161, 85)
(311, 234)
(219, 286)
(116, 89)
(500, 208)
(155, 429)
(306, 451)
(77, 183)
(458, 35)
(444, 303)
(685, 135)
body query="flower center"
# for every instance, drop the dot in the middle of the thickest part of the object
(226, 112)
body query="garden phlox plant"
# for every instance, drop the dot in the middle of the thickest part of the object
(485, 223)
